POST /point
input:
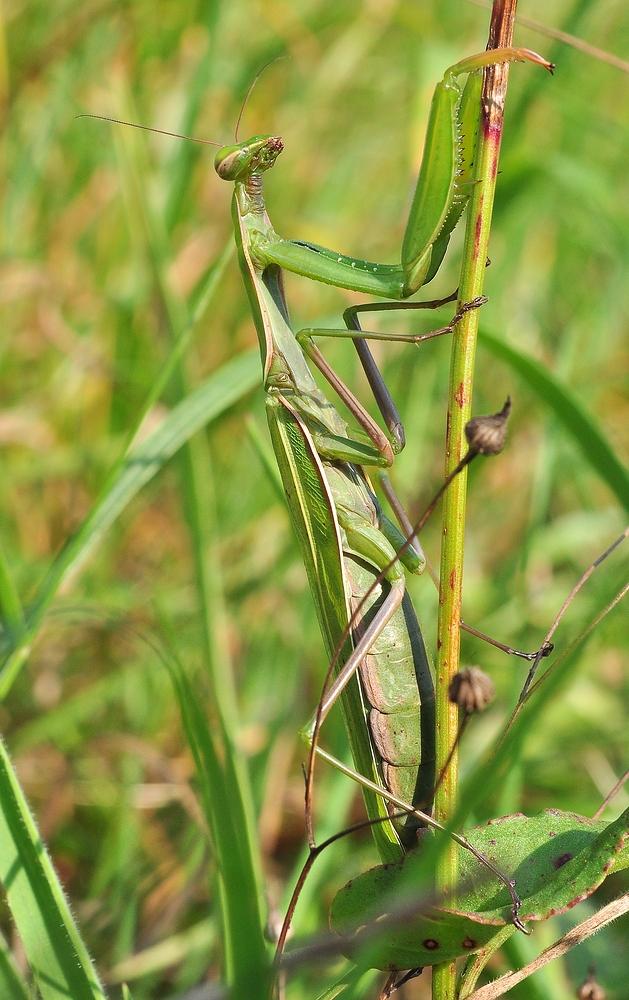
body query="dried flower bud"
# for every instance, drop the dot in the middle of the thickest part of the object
(471, 689)
(591, 990)
(487, 435)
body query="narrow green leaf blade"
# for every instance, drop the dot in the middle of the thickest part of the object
(11, 612)
(570, 412)
(220, 391)
(248, 968)
(169, 952)
(56, 953)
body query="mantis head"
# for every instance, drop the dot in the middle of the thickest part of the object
(236, 163)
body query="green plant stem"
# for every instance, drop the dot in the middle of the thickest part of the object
(459, 412)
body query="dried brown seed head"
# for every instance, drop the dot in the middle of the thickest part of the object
(471, 689)
(591, 990)
(487, 435)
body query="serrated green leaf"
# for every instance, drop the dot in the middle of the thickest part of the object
(556, 858)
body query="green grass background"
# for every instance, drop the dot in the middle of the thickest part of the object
(104, 234)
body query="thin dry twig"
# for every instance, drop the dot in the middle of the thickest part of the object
(611, 795)
(573, 645)
(573, 593)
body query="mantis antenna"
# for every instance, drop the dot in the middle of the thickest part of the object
(147, 128)
(191, 138)
(250, 91)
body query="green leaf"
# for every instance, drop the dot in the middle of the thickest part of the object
(57, 956)
(571, 414)
(556, 858)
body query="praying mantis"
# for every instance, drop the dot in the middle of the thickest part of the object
(347, 543)
(355, 557)
(346, 540)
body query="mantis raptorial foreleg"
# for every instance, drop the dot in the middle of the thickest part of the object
(443, 187)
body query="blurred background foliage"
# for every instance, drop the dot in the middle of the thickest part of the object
(102, 231)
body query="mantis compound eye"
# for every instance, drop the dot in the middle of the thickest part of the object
(279, 380)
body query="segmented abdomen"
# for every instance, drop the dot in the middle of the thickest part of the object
(395, 675)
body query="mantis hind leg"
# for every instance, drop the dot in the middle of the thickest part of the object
(382, 396)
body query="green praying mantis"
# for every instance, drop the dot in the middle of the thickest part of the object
(355, 557)
(345, 538)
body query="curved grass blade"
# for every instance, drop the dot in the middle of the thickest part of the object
(220, 391)
(195, 467)
(246, 960)
(571, 414)
(57, 956)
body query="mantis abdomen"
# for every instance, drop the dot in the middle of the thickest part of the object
(389, 712)
(397, 684)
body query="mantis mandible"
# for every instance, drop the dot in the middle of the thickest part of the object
(346, 540)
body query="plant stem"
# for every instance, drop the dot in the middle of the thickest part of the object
(459, 411)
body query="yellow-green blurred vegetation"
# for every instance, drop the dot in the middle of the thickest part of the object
(105, 234)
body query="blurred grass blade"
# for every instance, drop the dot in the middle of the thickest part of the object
(172, 951)
(201, 299)
(571, 414)
(220, 391)
(266, 455)
(247, 967)
(196, 476)
(10, 606)
(57, 956)
(11, 983)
